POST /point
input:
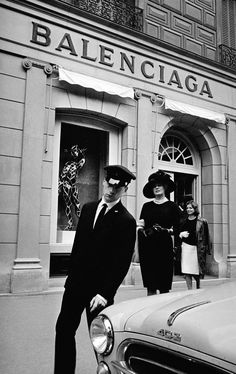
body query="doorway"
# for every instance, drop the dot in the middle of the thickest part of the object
(185, 191)
(178, 157)
(185, 188)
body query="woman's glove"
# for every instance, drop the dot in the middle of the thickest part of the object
(184, 234)
(154, 230)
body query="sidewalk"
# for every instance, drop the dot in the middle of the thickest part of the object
(27, 323)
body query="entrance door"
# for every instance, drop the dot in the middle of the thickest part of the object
(179, 159)
(185, 188)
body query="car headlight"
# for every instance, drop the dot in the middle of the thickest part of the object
(101, 334)
(103, 368)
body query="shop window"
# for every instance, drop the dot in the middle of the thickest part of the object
(82, 156)
(173, 149)
(81, 150)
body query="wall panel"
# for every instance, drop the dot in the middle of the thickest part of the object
(170, 21)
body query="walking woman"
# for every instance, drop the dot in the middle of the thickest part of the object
(159, 220)
(194, 234)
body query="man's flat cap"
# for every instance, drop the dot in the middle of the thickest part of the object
(118, 175)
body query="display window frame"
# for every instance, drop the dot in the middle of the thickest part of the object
(62, 243)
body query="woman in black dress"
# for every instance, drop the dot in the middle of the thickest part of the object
(159, 221)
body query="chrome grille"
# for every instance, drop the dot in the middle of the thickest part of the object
(144, 358)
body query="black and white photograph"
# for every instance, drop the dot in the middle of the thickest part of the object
(117, 186)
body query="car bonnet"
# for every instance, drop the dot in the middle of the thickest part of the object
(204, 321)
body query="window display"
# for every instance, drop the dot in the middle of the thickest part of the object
(67, 185)
(82, 156)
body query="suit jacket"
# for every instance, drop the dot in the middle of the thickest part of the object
(101, 257)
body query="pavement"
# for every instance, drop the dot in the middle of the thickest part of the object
(27, 323)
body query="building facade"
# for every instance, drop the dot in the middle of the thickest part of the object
(149, 84)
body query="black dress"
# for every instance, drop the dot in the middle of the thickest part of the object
(156, 251)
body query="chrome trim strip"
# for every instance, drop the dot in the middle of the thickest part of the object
(179, 311)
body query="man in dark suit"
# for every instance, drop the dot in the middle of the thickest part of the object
(100, 258)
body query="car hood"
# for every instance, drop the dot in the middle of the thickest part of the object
(204, 320)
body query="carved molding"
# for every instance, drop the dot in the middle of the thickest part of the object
(153, 99)
(27, 64)
(137, 94)
(48, 69)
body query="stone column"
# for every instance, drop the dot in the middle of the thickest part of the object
(231, 258)
(27, 272)
(144, 145)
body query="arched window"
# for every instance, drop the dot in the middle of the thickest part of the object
(175, 150)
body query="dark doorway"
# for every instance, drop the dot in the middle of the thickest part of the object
(184, 188)
(183, 193)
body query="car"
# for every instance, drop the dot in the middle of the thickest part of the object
(184, 332)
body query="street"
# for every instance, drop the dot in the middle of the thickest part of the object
(27, 324)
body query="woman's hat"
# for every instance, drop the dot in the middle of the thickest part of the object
(159, 177)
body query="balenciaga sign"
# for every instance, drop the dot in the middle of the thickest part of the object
(83, 48)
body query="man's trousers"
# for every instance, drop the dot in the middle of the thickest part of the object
(73, 304)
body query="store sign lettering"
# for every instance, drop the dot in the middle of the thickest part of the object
(42, 36)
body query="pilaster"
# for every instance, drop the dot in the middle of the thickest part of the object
(27, 274)
(231, 140)
(144, 142)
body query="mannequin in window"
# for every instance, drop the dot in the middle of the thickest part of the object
(67, 183)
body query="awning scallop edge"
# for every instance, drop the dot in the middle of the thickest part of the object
(99, 85)
(195, 111)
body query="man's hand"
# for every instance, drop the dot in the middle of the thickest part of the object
(97, 302)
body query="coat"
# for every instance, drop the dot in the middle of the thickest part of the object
(203, 243)
(101, 256)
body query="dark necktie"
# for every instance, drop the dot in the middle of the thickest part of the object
(101, 215)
